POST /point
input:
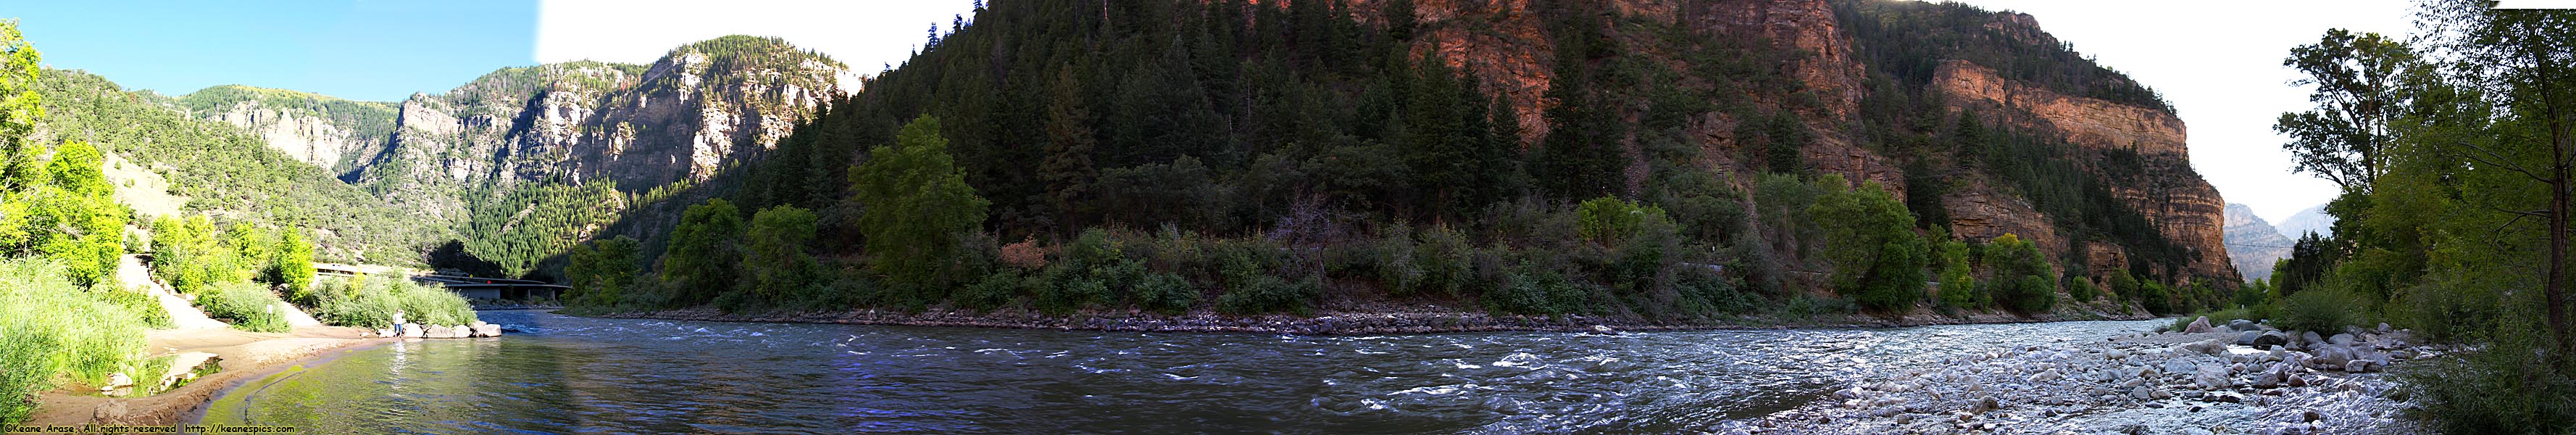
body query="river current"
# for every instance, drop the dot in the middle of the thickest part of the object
(565, 374)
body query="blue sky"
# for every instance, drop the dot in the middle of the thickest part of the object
(357, 49)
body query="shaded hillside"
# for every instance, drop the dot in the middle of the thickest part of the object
(1327, 127)
(2252, 243)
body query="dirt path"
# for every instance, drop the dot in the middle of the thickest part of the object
(131, 272)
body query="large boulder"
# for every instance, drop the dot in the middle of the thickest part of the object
(2242, 325)
(2207, 347)
(2199, 325)
(2247, 338)
(487, 330)
(2310, 337)
(2269, 340)
(459, 331)
(2212, 376)
(435, 331)
(413, 330)
(2340, 339)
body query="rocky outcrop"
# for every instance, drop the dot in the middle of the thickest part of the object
(2184, 207)
(308, 138)
(2252, 243)
(637, 127)
(1979, 213)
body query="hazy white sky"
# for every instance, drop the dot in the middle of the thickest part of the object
(2218, 61)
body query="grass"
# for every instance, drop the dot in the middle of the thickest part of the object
(372, 302)
(52, 332)
(249, 306)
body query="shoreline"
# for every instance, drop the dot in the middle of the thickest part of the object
(245, 356)
(1327, 323)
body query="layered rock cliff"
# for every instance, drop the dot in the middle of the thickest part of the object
(1504, 45)
(2162, 185)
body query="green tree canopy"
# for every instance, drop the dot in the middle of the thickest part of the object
(1869, 237)
(917, 203)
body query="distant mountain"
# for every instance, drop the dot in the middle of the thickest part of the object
(2314, 219)
(2252, 243)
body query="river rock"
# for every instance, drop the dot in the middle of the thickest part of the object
(413, 330)
(2361, 366)
(1603, 330)
(2247, 338)
(2208, 347)
(2142, 393)
(2269, 340)
(2242, 325)
(2310, 337)
(2340, 339)
(2199, 325)
(2047, 376)
(459, 331)
(1984, 404)
(2212, 376)
(435, 331)
(488, 330)
(2178, 366)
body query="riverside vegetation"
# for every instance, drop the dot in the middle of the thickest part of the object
(68, 321)
(2453, 151)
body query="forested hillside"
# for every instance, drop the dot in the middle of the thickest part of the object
(1680, 162)
(228, 172)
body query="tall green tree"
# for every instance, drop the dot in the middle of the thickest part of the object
(601, 271)
(2357, 92)
(293, 262)
(774, 259)
(20, 105)
(1869, 237)
(918, 205)
(705, 251)
(2525, 60)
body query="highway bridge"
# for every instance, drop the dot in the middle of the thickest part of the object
(475, 288)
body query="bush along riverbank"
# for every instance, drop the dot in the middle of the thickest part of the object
(2239, 377)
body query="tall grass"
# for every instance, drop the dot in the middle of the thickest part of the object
(250, 306)
(372, 302)
(52, 331)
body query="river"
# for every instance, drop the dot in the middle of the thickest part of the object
(566, 374)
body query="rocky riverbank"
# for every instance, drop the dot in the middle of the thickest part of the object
(2241, 378)
(1321, 323)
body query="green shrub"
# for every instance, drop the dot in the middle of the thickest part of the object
(2323, 309)
(1167, 293)
(993, 291)
(2153, 296)
(143, 306)
(1607, 220)
(1258, 293)
(2509, 387)
(1533, 291)
(51, 330)
(2081, 289)
(371, 302)
(2027, 294)
(1959, 292)
(249, 306)
(1877, 257)
(1394, 266)
(1446, 259)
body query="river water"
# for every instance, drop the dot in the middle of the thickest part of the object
(584, 375)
